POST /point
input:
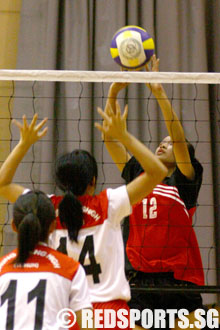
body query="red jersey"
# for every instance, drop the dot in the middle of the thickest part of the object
(161, 236)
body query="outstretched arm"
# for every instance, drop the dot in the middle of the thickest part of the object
(174, 127)
(29, 134)
(154, 170)
(116, 150)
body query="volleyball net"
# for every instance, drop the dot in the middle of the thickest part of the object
(69, 99)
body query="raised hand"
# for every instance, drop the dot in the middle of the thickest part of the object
(154, 87)
(115, 88)
(114, 124)
(29, 134)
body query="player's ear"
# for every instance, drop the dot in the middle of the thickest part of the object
(93, 181)
(14, 228)
(52, 226)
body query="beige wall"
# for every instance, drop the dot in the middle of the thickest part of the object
(9, 28)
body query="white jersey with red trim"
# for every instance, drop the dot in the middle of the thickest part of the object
(100, 246)
(31, 296)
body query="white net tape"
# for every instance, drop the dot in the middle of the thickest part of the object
(111, 76)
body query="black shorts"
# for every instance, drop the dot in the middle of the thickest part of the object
(162, 299)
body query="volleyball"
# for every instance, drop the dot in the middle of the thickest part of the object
(132, 47)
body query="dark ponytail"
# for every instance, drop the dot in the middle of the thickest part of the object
(28, 236)
(74, 172)
(32, 215)
(71, 214)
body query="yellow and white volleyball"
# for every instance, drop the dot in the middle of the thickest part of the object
(132, 47)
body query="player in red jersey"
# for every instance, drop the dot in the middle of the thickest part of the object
(161, 247)
(36, 281)
(89, 225)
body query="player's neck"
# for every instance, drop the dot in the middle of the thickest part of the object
(43, 243)
(170, 171)
(90, 190)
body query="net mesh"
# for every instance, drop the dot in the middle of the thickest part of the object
(70, 99)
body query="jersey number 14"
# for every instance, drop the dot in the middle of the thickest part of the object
(93, 268)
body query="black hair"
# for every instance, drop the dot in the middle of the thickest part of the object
(133, 168)
(32, 215)
(74, 172)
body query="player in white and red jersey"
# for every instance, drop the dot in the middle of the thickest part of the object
(99, 246)
(37, 282)
(161, 244)
(91, 223)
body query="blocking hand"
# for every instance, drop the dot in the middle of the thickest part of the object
(114, 124)
(29, 134)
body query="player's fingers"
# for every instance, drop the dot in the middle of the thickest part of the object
(41, 124)
(125, 114)
(110, 111)
(33, 122)
(25, 124)
(17, 123)
(108, 108)
(158, 62)
(100, 127)
(153, 60)
(104, 115)
(155, 63)
(147, 67)
(118, 109)
(154, 57)
(43, 133)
